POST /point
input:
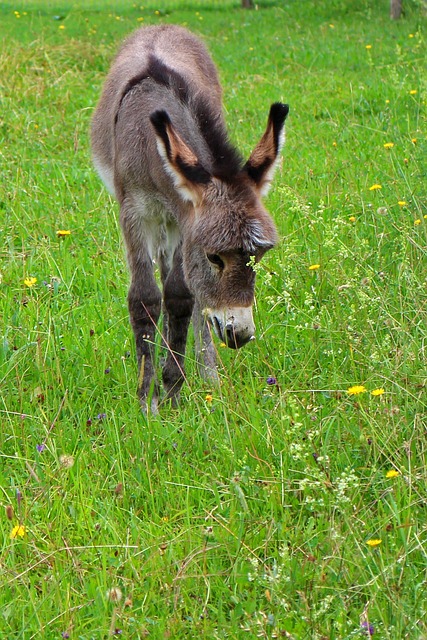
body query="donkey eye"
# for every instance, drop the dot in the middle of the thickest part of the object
(216, 260)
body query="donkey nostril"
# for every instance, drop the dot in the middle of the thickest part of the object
(231, 336)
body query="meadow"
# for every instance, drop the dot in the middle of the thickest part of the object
(291, 501)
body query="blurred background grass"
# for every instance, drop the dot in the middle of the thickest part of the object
(248, 511)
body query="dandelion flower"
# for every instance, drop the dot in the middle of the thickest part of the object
(377, 392)
(63, 232)
(30, 282)
(18, 531)
(413, 92)
(375, 187)
(352, 219)
(374, 542)
(392, 474)
(402, 203)
(414, 140)
(208, 398)
(368, 46)
(314, 267)
(62, 27)
(356, 389)
(66, 461)
(417, 222)
(114, 594)
(389, 145)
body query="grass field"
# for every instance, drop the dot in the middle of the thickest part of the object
(280, 504)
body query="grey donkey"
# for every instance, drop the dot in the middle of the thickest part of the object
(187, 200)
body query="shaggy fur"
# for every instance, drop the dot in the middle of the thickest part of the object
(187, 199)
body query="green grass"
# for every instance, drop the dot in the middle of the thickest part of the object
(249, 515)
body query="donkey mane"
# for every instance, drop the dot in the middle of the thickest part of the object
(227, 162)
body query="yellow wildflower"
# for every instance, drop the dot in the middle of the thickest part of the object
(61, 26)
(352, 219)
(392, 473)
(414, 140)
(19, 530)
(30, 282)
(377, 392)
(389, 145)
(314, 267)
(374, 542)
(402, 203)
(375, 187)
(208, 398)
(356, 389)
(368, 46)
(417, 222)
(63, 232)
(413, 92)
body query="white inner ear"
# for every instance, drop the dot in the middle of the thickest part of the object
(269, 174)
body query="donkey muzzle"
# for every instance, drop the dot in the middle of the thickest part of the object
(234, 326)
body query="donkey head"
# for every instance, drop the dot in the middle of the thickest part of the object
(225, 227)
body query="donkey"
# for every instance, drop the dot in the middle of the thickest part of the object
(187, 200)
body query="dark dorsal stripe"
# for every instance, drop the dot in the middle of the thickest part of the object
(226, 161)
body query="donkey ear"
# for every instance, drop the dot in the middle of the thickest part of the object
(179, 160)
(262, 162)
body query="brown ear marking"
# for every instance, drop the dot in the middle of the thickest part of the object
(265, 153)
(178, 153)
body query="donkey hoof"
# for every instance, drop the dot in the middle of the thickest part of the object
(148, 407)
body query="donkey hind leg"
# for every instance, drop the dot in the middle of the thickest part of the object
(178, 306)
(205, 348)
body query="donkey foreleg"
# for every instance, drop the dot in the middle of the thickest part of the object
(204, 346)
(178, 304)
(144, 302)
